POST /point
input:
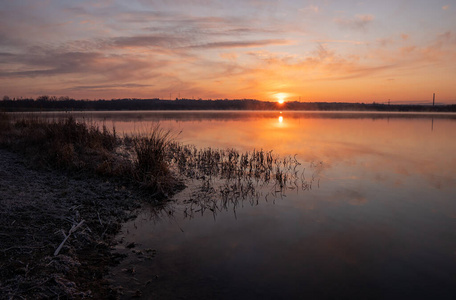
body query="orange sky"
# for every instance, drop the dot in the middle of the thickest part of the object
(351, 51)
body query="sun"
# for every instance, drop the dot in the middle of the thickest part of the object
(281, 97)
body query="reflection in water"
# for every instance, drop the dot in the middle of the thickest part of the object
(218, 195)
(280, 119)
(228, 178)
(380, 225)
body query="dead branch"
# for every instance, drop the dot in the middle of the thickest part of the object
(73, 229)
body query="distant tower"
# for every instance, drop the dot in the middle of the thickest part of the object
(433, 99)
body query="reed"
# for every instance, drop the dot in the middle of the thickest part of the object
(259, 165)
(151, 167)
(229, 178)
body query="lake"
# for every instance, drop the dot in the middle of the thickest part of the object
(372, 213)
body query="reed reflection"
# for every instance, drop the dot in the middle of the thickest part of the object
(223, 179)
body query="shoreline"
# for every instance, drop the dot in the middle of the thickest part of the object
(67, 104)
(39, 207)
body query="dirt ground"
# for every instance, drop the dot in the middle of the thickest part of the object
(37, 210)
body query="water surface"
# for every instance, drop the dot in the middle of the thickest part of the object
(379, 220)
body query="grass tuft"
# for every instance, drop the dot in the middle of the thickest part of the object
(151, 165)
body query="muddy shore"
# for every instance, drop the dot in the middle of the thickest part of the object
(37, 210)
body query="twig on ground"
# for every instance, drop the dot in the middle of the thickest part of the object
(73, 229)
(99, 219)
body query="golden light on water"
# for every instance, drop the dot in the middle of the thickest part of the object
(280, 119)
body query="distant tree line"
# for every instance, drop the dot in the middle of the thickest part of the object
(51, 103)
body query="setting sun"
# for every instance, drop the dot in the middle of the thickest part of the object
(281, 97)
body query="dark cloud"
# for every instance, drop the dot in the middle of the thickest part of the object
(9, 39)
(109, 86)
(359, 22)
(74, 10)
(242, 44)
(46, 62)
(164, 41)
(5, 56)
(196, 27)
(51, 62)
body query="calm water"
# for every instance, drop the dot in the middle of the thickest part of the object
(378, 222)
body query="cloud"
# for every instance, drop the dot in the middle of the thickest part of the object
(359, 22)
(310, 9)
(323, 64)
(407, 50)
(164, 41)
(353, 42)
(242, 44)
(6, 56)
(45, 61)
(229, 56)
(446, 37)
(446, 7)
(385, 41)
(109, 86)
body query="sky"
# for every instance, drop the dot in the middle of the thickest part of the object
(401, 51)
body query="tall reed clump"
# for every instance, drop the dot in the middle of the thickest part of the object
(151, 165)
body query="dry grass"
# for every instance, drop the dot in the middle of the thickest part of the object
(151, 163)
(68, 144)
(4, 122)
(63, 143)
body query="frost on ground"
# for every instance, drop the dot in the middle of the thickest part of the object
(38, 208)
